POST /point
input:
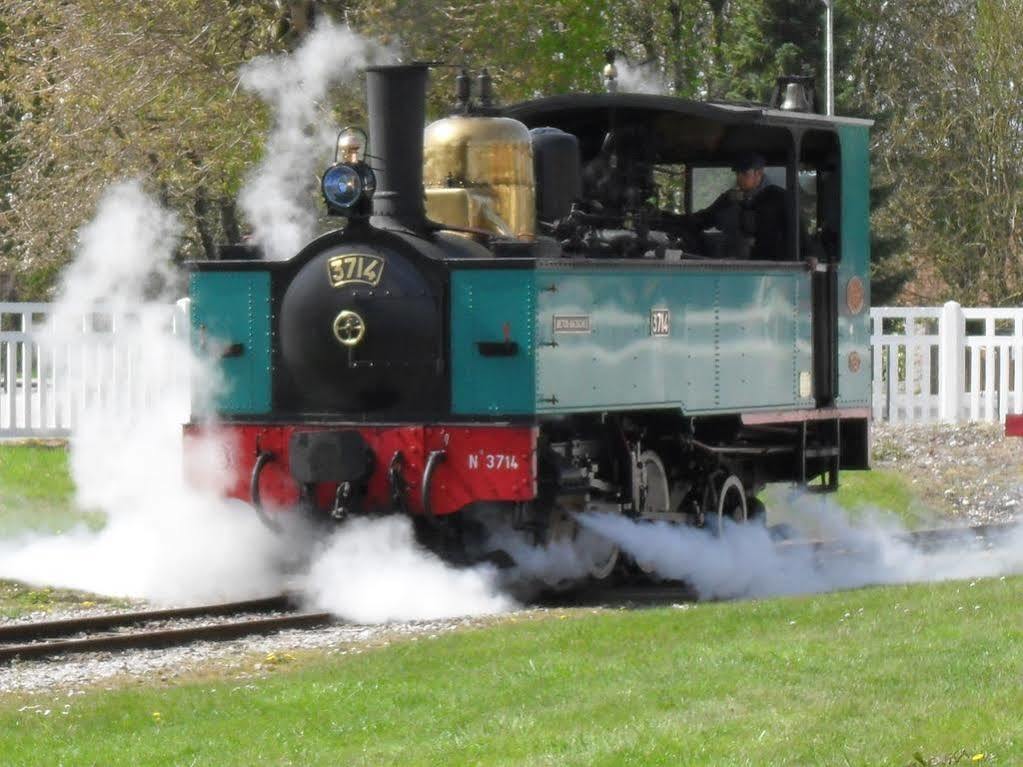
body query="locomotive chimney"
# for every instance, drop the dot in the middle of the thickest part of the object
(396, 96)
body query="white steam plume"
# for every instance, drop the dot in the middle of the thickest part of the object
(124, 254)
(566, 560)
(276, 198)
(371, 571)
(639, 78)
(163, 540)
(166, 539)
(745, 562)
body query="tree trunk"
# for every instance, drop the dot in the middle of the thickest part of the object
(717, 8)
(8, 287)
(229, 220)
(676, 53)
(201, 207)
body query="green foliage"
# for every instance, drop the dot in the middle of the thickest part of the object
(109, 90)
(10, 154)
(866, 677)
(93, 91)
(941, 75)
(771, 38)
(554, 47)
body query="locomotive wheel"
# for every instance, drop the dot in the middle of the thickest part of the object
(599, 555)
(724, 497)
(651, 493)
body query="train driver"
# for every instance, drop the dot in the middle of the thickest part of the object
(750, 216)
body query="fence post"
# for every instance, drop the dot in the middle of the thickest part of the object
(951, 340)
(181, 326)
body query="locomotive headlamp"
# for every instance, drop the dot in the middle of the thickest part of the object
(349, 183)
(342, 186)
(348, 187)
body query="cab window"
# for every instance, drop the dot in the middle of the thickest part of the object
(709, 183)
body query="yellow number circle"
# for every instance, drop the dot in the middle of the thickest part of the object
(349, 328)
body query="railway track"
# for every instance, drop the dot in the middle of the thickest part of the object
(629, 593)
(990, 532)
(634, 592)
(925, 540)
(150, 629)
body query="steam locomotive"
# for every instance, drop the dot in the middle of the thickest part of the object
(514, 324)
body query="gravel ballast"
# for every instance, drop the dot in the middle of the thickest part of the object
(971, 473)
(238, 659)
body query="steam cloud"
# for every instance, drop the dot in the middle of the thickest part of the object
(162, 539)
(167, 540)
(372, 572)
(276, 198)
(636, 78)
(746, 562)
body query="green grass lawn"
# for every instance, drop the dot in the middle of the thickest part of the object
(18, 600)
(878, 489)
(870, 677)
(37, 496)
(878, 492)
(36, 491)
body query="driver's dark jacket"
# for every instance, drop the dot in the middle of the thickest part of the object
(759, 216)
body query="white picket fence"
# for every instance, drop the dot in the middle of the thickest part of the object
(930, 364)
(947, 363)
(48, 382)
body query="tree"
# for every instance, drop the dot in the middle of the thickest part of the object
(113, 89)
(110, 89)
(10, 155)
(96, 90)
(946, 74)
(552, 47)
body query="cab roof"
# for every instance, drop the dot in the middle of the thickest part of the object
(678, 130)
